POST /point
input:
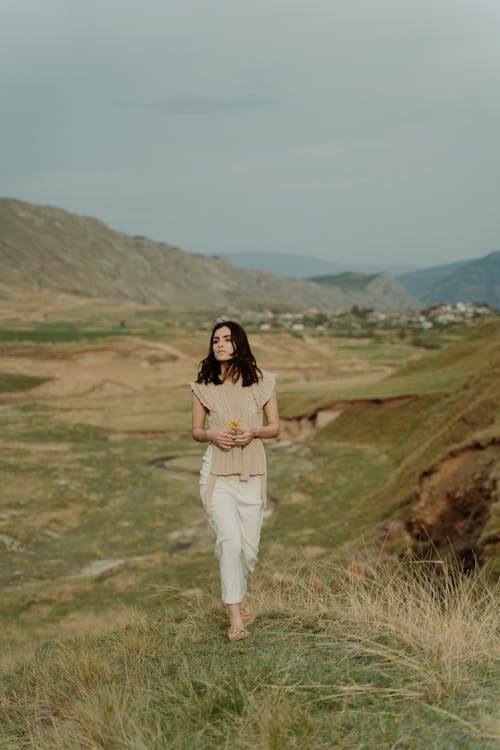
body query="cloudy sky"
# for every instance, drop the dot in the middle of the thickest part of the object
(356, 131)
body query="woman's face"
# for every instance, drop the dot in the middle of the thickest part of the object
(222, 346)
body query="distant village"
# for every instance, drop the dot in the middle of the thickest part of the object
(363, 320)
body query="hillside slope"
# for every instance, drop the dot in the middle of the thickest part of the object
(290, 265)
(471, 281)
(478, 281)
(346, 280)
(297, 266)
(428, 438)
(50, 249)
(420, 281)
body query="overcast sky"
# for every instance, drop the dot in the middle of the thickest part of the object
(352, 130)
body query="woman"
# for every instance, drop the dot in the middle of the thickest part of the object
(234, 394)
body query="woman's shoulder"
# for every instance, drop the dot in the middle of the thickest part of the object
(267, 378)
(203, 392)
(268, 374)
(206, 387)
(265, 386)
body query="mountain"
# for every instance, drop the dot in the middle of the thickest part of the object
(420, 281)
(465, 281)
(283, 264)
(378, 285)
(303, 266)
(347, 280)
(45, 248)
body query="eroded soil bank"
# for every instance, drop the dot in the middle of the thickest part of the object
(304, 427)
(455, 512)
(456, 505)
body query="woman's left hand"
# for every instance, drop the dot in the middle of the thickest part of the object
(244, 436)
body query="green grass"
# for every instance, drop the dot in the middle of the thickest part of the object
(377, 352)
(59, 332)
(403, 660)
(105, 492)
(73, 493)
(439, 372)
(329, 477)
(12, 383)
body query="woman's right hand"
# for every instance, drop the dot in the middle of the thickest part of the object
(223, 439)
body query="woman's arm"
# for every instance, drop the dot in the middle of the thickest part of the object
(269, 430)
(223, 439)
(271, 413)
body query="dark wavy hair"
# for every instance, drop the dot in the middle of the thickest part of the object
(242, 364)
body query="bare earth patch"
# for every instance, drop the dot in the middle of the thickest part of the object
(455, 501)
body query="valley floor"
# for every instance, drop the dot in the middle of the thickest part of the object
(110, 629)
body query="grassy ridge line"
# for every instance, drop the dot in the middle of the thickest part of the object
(337, 659)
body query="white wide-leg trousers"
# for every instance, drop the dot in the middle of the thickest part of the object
(236, 515)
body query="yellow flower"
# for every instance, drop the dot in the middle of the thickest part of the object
(234, 425)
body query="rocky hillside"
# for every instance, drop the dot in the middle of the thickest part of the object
(51, 249)
(469, 281)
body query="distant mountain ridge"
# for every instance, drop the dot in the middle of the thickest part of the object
(283, 264)
(47, 248)
(347, 280)
(296, 266)
(465, 281)
(474, 280)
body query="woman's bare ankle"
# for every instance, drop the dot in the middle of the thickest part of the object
(234, 615)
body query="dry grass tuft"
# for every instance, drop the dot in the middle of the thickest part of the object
(331, 650)
(436, 624)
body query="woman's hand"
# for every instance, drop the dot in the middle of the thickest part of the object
(223, 439)
(244, 435)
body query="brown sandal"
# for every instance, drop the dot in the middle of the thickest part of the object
(246, 613)
(237, 633)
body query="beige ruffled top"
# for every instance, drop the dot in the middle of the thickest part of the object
(231, 402)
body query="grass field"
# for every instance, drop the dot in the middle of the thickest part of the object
(101, 529)
(337, 660)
